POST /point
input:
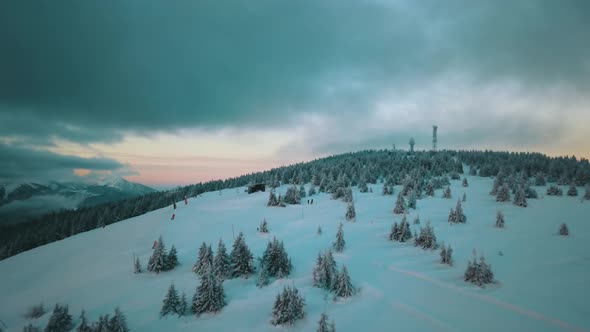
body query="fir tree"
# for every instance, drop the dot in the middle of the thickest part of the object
(343, 286)
(288, 307)
(302, 193)
(465, 183)
(363, 186)
(412, 200)
(563, 230)
(312, 190)
(554, 190)
(340, 242)
(479, 273)
(60, 320)
(118, 323)
(459, 215)
(429, 189)
(452, 216)
(323, 323)
(83, 327)
(401, 233)
(272, 199)
(182, 307)
(447, 193)
(263, 277)
(136, 265)
(400, 204)
(292, 196)
(275, 260)
(209, 296)
(426, 239)
(263, 228)
(171, 302)
(324, 272)
(539, 180)
(350, 212)
(520, 198)
(221, 262)
(572, 191)
(240, 258)
(417, 220)
(102, 325)
(158, 259)
(172, 260)
(387, 190)
(499, 219)
(503, 194)
(205, 259)
(446, 255)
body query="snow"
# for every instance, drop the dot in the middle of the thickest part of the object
(542, 277)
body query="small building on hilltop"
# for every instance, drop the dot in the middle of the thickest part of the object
(256, 187)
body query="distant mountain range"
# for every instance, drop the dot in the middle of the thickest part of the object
(22, 201)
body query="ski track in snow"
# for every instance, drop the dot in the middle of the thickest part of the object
(488, 299)
(441, 326)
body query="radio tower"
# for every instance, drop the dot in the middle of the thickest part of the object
(434, 128)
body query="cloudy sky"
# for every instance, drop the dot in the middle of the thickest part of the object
(175, 92)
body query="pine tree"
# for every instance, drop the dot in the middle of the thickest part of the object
(172, 260)
(182, 306)
(503, 194)
(459, 215)
(302, 191)
(272, 199)
(323, 323)
(499, 219)
(136, 265)
(263, 228)
(554, 190)
(275, 260)
(292, 196)
(324, 272)
(171, 302)
(83, 327)
(539, 180)
(221, 262)
(478, 273)
(340, 242)
(312, 190)
(288, 307)
(159, 257)
(446, 255)
(60, 320)
(447, 193)
(118, 323)
(400, 204)
(205, 259)
(417, 220)
(350, 212)
(210, 296)
(520, 198)
(452, 216)
(426, 239)
(412, 200)
(563, 230)
(465, 183)
(263, 277)
(587, 194)
(102, 325)
(343, 286)
(429, 189)
(363, 186)
(572, 191)
(240, 258)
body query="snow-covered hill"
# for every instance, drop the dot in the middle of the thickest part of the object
(542, 277)
(19, 202)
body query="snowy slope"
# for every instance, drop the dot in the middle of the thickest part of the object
(543, 278)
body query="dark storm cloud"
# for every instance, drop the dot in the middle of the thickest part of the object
(86, 70)
(18, 163)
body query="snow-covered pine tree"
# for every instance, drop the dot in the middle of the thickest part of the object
(427, 238)
(136, 265)
(159, 257)
(479, 273)
(465, 183)
(263, 277)
(171, 302)
(499, 219)
(102, 325)
(447, 193)
(503, 194)
(400, 204)
(347, 195)
(241, 264)
(324, 272)
(182, 307)
(412, 200)
(118, 323)
(520, 198)
(312, 190)
(452, 216)
(554, 190)
(387, 190)
(572, 191)
(563, 230)
(221, 261)
(205, 259)
(394, 233)
(210, 296)
(350, 212)
(292, 196)
(272, 199)
(340, 242)
(498, 182)
(363, 185)
(288, 307)
(29, 328)
(323, 323)
(263, 228)
(275, 259)
(459, 215)
(417, 220)
(446, 255)
(539, 179)
(60, 320)
(429, 189)
(83, 326)
(172, 260)
(302, 191)
(343, 286)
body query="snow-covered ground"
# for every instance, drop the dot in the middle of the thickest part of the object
(542, 278)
